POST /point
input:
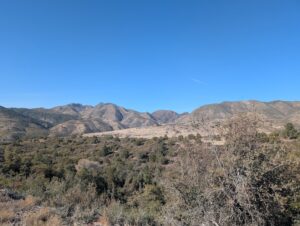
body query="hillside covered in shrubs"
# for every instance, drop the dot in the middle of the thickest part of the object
(250, 179)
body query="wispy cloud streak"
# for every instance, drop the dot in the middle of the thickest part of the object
(199, 81)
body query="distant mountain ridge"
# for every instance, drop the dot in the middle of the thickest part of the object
(102, 117)
(71, 119)
(277, 112)
(75, 119)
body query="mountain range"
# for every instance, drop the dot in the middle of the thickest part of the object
(75, 119)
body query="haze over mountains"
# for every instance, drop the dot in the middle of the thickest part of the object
(75, 119)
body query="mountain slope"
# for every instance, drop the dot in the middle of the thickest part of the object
(47, 117)
(14, 125)
(72, 119)
(75, 119)
(119, 117)
(71, 109)
(75, 127)
(277, 112)
(272, 115)
(165, 116)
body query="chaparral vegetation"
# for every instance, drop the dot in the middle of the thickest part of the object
(250, 178)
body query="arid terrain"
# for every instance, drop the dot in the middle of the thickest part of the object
(233, 163)
(242, 177)
(104, 119)
(171, 130)
(149, 113)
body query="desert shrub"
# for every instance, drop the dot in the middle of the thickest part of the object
(191, 137)
(117, 214)
(85, 164)
(105, 151)
(151, 199)
(87, 177)
(28, 201)
(12, 161)
(76, 203)
(43, 217)
(144, 156)
(35, 185)
(139, 142)
(251, 179)
(274, 137)
(245, 182)
(114, 213)
(290, 131)
(6, 216)
(124, 154)
(263, 137)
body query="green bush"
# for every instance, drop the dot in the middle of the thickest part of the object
(290, 131)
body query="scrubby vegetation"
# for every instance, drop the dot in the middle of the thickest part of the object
(250, 179)
(290, 131)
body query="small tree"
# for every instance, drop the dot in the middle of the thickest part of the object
(290, 131)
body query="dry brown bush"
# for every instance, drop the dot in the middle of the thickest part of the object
(42, 217)
(88, 165)
(28, 202)
(243, 182)
(6, 215)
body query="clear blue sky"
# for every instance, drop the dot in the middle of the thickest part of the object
(148, 54)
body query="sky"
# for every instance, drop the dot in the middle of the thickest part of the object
(148, 54)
